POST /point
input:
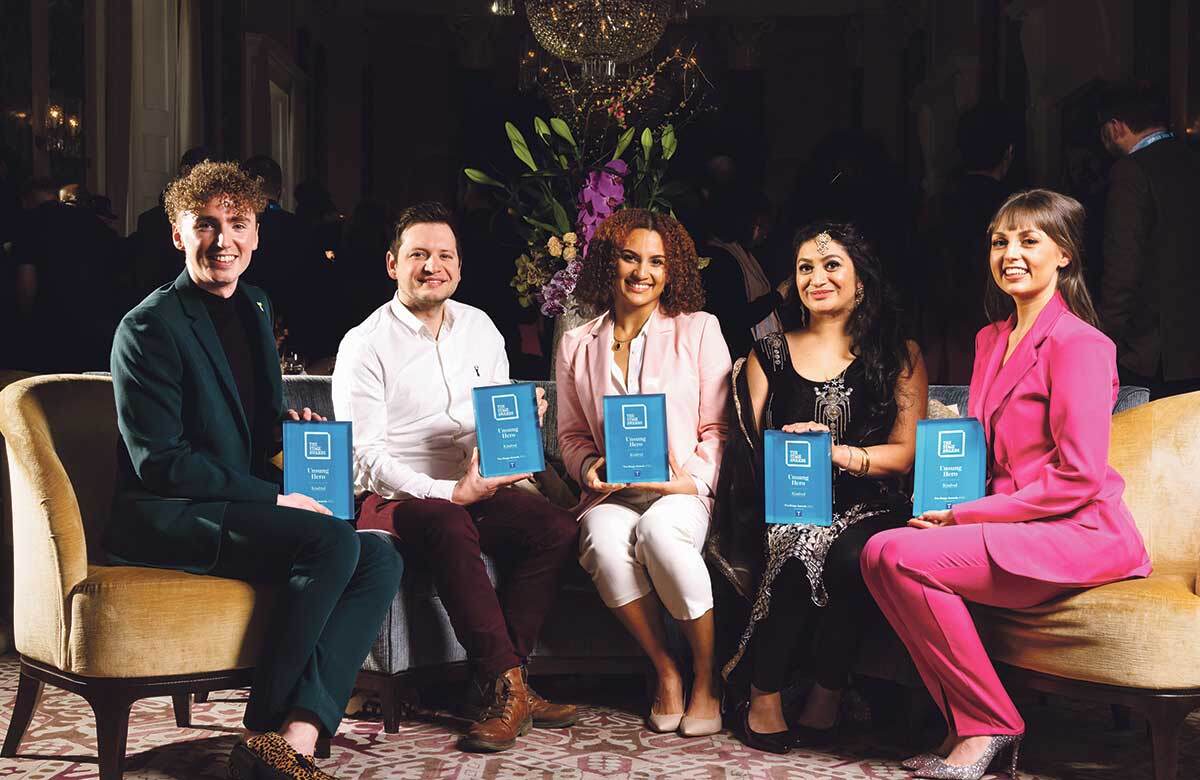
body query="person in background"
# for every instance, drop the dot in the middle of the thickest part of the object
(1151, 276)
(293, 269)
(156, 261)
(68, 299)
(736, 287)
(957, 277)
(1052, 522)
(641, 543)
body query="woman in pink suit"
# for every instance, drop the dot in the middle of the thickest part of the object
(642, 543)
(1043, 385)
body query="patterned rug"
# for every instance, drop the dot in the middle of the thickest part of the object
(1068, 741)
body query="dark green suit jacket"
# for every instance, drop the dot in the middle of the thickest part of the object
(186, 447)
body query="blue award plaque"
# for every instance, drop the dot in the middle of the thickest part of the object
(317, 462)
(799, 477)
(951, 463)
(506, 426)
(635, 439)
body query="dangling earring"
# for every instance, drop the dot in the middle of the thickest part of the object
(858, 294)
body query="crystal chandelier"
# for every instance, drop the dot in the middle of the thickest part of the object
(598, 34)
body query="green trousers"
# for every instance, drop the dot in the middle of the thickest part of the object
(336, 586)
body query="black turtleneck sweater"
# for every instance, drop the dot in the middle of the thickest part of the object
(233, 318)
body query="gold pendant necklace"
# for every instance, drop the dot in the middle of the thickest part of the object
(618, 342)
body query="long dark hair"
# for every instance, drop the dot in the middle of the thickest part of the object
(876, 335)
(1061, 218)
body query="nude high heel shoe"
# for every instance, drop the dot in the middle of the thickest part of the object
(663, 724)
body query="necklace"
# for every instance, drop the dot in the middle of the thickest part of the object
(616, 347)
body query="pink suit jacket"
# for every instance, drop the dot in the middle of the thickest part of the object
(1047, 417)
(686, 359)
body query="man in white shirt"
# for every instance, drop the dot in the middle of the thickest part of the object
(404, 377)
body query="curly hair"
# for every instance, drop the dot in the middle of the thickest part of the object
(875, 328)
(683, 293)
(207, 180)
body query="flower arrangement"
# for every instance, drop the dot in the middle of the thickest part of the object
(560, 181)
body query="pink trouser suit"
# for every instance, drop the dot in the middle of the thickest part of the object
(1052, 521)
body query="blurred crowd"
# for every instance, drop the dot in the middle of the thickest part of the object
(69, 275)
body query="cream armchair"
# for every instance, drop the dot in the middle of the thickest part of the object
(1134, 643)
(111, 634)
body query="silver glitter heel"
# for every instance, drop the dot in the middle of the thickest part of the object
(919, 761)
(940, 770)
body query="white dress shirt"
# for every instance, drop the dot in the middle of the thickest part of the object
(409, 397)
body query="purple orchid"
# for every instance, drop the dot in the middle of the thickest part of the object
(602, 193)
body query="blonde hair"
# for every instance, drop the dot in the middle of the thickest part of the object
(1061, 218)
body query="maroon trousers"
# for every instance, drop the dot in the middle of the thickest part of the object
(530, 540)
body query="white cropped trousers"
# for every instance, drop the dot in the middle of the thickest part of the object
(630, 553)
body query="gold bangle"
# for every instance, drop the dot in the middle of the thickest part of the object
(866, 463)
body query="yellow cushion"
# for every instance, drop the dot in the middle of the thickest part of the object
(1136, 633)
(128, 621)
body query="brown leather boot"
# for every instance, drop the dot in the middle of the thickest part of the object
(547, 714)
(507, 716)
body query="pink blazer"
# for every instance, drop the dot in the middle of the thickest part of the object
(686, 359)
(1047, 415)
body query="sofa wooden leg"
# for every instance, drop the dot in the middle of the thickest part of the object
(1166, 716)
(112, 731)
(322, 748)
(200, 697)
(389, 703)
(1121, 717)
(29, 692)
(183, 710)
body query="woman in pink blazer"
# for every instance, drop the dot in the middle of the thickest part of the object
(1043, 385)
(642, 543)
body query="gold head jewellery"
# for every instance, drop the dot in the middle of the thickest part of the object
(823, 238)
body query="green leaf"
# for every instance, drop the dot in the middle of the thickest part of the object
(623, 142)
(668, 142)
(542, 129)
(562, 161)
(479, 177)
(541, 225)
(563, 131)
(647, 143)
(520, 148)
(560, 217)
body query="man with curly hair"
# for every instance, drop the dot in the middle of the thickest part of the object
(199, 399)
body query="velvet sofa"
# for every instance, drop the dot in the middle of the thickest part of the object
(84, 626)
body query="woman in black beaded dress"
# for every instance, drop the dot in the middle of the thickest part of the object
(846, 369)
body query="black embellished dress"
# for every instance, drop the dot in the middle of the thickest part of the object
(805, 579)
